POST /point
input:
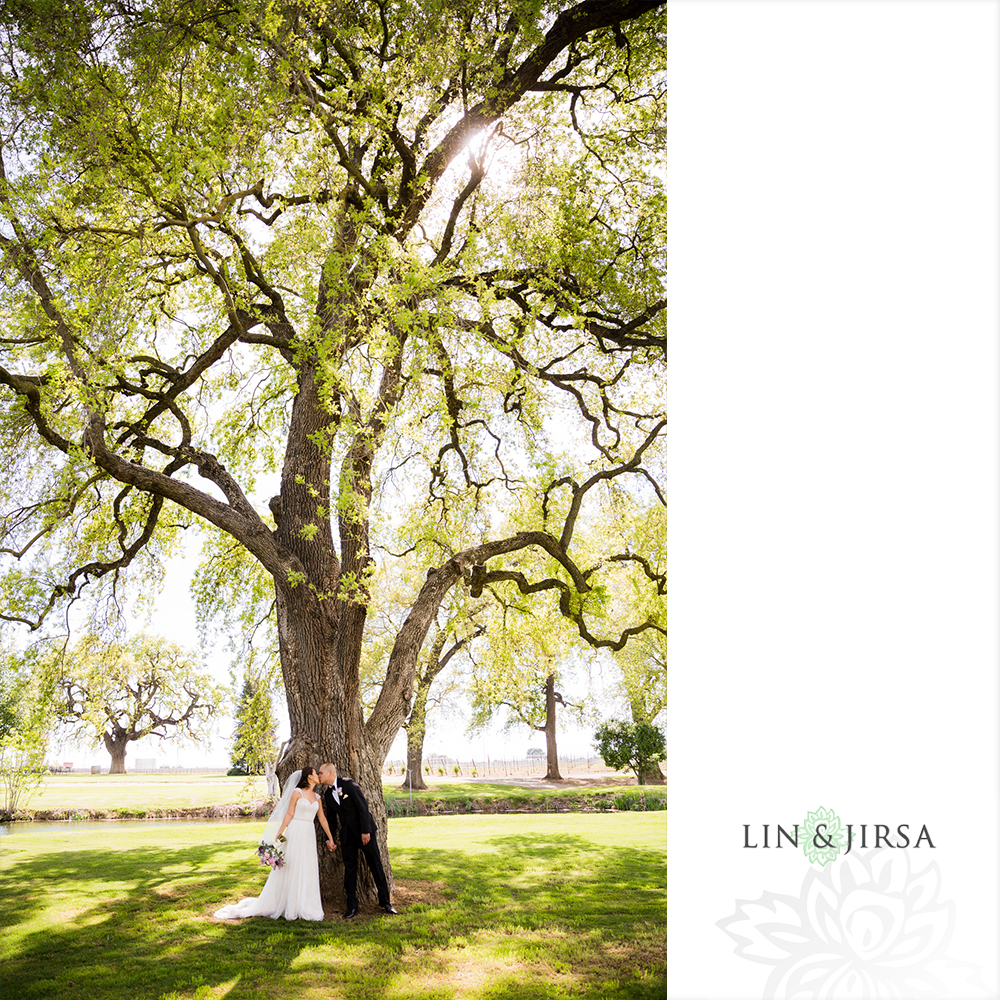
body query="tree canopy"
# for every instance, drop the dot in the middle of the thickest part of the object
(343, 283)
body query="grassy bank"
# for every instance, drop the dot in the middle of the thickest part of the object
(499, 798)
(494, 908)
(148, 796)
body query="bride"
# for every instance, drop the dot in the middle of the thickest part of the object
(291, 891)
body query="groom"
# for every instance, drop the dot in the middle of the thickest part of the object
(344, 801)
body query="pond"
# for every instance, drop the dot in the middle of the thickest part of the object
(108, 825)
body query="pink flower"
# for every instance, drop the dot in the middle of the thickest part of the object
(270, 855)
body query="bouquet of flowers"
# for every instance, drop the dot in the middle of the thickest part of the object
(270, 854)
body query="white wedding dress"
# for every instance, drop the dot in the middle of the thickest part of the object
(291, 891)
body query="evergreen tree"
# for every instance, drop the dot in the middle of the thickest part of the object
(254, 744)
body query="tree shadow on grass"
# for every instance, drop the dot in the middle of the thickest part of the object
(545, 918)
(125, 928)
(149, 868)
(548, 918)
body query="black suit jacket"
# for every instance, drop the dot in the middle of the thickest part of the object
(351, 812)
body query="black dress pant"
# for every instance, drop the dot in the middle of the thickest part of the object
(349, 847)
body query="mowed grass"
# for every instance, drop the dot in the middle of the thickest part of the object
(138, 791)
(500, 907)
(182, 791)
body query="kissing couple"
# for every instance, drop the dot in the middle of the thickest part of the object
(292, 891)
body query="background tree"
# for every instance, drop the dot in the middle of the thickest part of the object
(634, 745)
(122, 692)
(26, 716)
(639, 669)
(388, 264)
(643, 666)
(8, 700)
(518, 677)
(446, 643)
(238, 751)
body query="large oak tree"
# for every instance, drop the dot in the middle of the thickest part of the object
(402, 259)
(120, 693)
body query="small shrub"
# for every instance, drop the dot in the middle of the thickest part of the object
(441, 771)
(236, 772)
(637, 746)
(456, 770)
(640, 801)
(401, 807)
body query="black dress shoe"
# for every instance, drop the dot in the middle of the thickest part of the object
(389, 908)
(352, 911)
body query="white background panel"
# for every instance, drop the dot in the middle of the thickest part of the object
(834, 604)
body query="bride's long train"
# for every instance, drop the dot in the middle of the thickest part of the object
(291, 891)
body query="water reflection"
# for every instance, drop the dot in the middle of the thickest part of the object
(107, 825)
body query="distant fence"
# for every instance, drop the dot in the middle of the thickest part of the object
(494, 767)
(435, 766)
(129, 769)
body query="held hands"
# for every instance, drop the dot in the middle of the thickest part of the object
(365, 837)
(331, 846)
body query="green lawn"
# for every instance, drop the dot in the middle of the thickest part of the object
(493, 908)
(135, 791)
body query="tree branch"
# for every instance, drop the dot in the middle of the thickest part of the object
(569, 26)
(579, 492)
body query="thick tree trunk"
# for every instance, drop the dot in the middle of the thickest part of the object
(321, 605)
(552, 756)
(320, 646)
(116, 746)
(319, 642)
(321, 625)
(325, 727)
